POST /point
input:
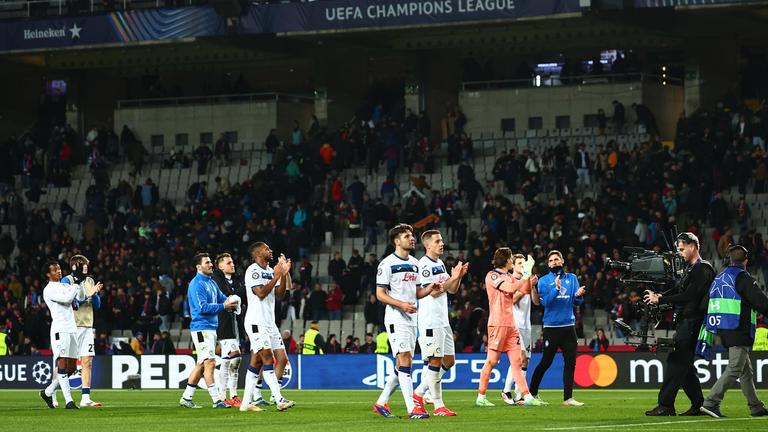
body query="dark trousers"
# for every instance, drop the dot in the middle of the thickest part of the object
(680, 372)
(563, 338)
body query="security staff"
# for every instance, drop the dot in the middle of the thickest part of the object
(732, 315)
(313, 342)
(558, 292)
(689, 314)
(382, 343)
(3, 344)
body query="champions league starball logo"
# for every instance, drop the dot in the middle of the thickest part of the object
(41, 372)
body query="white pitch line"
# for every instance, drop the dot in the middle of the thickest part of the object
(621, 426)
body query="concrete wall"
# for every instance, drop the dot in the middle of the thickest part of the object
(290, 109)
(251, 120)
(666, 102)
(485, 108)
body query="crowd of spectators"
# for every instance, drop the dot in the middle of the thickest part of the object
(140, 243)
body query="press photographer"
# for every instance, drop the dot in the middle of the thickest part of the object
(692, 293)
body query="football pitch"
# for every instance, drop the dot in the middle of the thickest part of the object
(350, 410)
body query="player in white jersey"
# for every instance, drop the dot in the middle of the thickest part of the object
(397, 287)
(262, 284)
(522, 314)
(84, 322)
(59, 297)
(435, 334)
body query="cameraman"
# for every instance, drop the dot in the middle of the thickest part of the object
(693, 290)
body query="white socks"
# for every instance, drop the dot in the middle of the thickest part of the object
(63, 379)
(51, 389)
(234, 374)
(213, 391)
(406, 386)
(250, 386)
(389, 387)
(223, 376)
(423, 385)
(510, 381)
(268, 373)
(189, 391)
(433, 382)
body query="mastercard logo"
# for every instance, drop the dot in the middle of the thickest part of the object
(600, 370)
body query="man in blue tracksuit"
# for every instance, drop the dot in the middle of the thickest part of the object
(558, 292)
(205, 302)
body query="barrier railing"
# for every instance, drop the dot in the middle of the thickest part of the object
(559, 81)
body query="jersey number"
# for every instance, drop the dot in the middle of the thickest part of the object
(714, 320)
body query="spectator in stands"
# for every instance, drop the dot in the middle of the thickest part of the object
(297, 136)
(353, 347)
(327, 155)
(619, 116)
(333, 347)
(138, 344)
(305, 272)
(272, 142)
(162, 344)
(646, 118)
(369, 347)
(102, 345)
(334, 302)
(336, 267)
(600, 342)
(356, 190)
(222, 149)
(583, 166)
(718, 211)
(289, 342)
(388, 189)
(317, 303)
(203, 154)
(602, 121)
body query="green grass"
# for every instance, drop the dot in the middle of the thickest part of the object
(335, 411)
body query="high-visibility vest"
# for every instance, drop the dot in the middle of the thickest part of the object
(761, 339)
(382, 343)
(3, 345)
(309, 343)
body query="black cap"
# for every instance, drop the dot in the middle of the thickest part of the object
(733, 247)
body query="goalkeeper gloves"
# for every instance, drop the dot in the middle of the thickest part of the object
(528, 267)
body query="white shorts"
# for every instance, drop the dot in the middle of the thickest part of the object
(64, 344)
(85, 341)
(264, 337)
(205, 344)
(228, 346)
(436, 342)
(402, 338)
(525, 341)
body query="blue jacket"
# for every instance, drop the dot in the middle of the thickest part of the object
(558, 305)
(205, 302)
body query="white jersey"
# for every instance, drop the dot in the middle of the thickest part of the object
(522, 312)
(433, 311)
(400, 277)
(260, 311)
(59, 297)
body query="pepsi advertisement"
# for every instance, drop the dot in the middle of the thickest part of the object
(370, 371)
